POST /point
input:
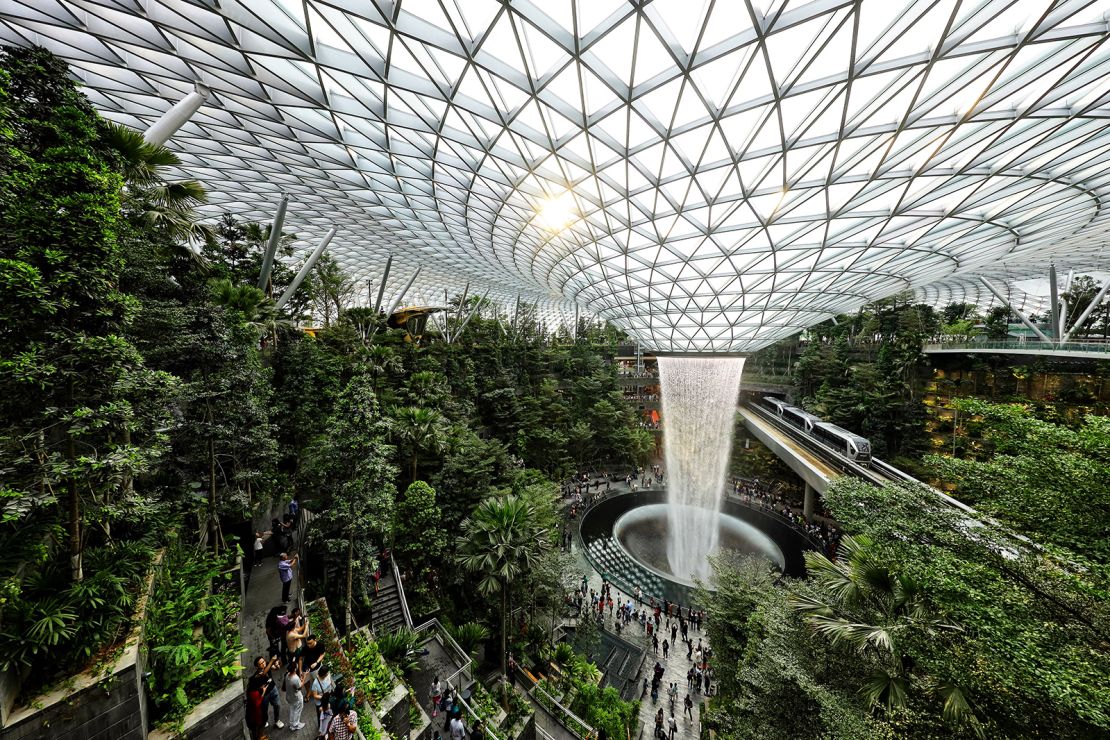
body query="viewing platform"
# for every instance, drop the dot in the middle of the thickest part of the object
(1091, 350)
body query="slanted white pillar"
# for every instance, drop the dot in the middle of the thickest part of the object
(173, 119)
(469, 316)
(381, 288)
(1054, 298)
(401, 296)
(306, 268)
(1088, 310)
(1024, 319)
(272, 245)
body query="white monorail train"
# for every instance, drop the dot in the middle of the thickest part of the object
(852, 446)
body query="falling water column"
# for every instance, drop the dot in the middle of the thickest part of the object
(699, 414)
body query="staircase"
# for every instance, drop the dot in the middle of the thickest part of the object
(387, 615)
(621, 665)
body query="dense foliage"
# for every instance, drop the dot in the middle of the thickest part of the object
(931, 624)
(864, 373)
(191, 632)
(1049, 481)
(148, 386)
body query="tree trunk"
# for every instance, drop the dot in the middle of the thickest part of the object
(76, 568)
(213, 527)
(504, 645)
(348, 616)
(75, 565)
(414, 466)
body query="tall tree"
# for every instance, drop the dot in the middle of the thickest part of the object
(354, 479)
(502, 540)
(67, 374)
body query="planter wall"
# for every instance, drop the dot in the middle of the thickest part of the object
(219, 717)
(109, 705)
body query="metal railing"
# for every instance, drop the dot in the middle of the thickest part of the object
(577, 726)
(741, 499)
(449, 645)
(400, 591)
(1085, 347)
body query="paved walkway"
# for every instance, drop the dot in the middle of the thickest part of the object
(675, 665)
(264, 593)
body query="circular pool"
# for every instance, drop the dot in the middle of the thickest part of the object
(625, 539)
(643, 533)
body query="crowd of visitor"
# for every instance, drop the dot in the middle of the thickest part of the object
(663, 624)
(769, 495)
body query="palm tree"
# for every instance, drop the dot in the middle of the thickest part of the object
(501, 540)
(158, 202)
(419, 429)
(857, 601)
(381, 362)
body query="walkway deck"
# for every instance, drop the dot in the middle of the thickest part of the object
(1079, 350)
(263, 593)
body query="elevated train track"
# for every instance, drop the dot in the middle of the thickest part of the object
(876, 472)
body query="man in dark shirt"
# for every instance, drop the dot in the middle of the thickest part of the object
(313, 654)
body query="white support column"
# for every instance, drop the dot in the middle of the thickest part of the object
(401, 296)
(469, 316)
(306, 268)
(1024, 319)
(1054, 298)
(272, 245)
(809, 503)
(1089, 310)
(173, 119)
(381, 289)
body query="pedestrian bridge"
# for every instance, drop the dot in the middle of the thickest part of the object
(1097, 351)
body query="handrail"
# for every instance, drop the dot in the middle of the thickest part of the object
(401, 591)
(448, 642)
(1035, 346)
(478, 717)
(738, 499)
(590, 731)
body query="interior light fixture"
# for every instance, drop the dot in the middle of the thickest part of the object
(557, 212)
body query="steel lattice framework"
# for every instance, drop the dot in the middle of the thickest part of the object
(711, 176)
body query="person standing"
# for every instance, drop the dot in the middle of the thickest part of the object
(262, 682)
(689, 707)
(666, 645)
(319, 691)
(255, 713)
(457, 729)
(285, 573)
(294, 696)
(344, 725)
(259, 549)
(655, 644)
(659, 725)
(436, 692)
(672, 727)
(294, 639)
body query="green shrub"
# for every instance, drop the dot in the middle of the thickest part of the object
(192, 632)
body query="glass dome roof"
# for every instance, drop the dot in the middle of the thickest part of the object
(709, 175)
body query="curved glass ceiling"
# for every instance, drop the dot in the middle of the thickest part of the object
(710, 176)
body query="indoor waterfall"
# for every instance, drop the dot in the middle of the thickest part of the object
(699, 414)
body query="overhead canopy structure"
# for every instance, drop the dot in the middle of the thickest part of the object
(710, 175)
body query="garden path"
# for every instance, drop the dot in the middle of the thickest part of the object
(263, 593)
